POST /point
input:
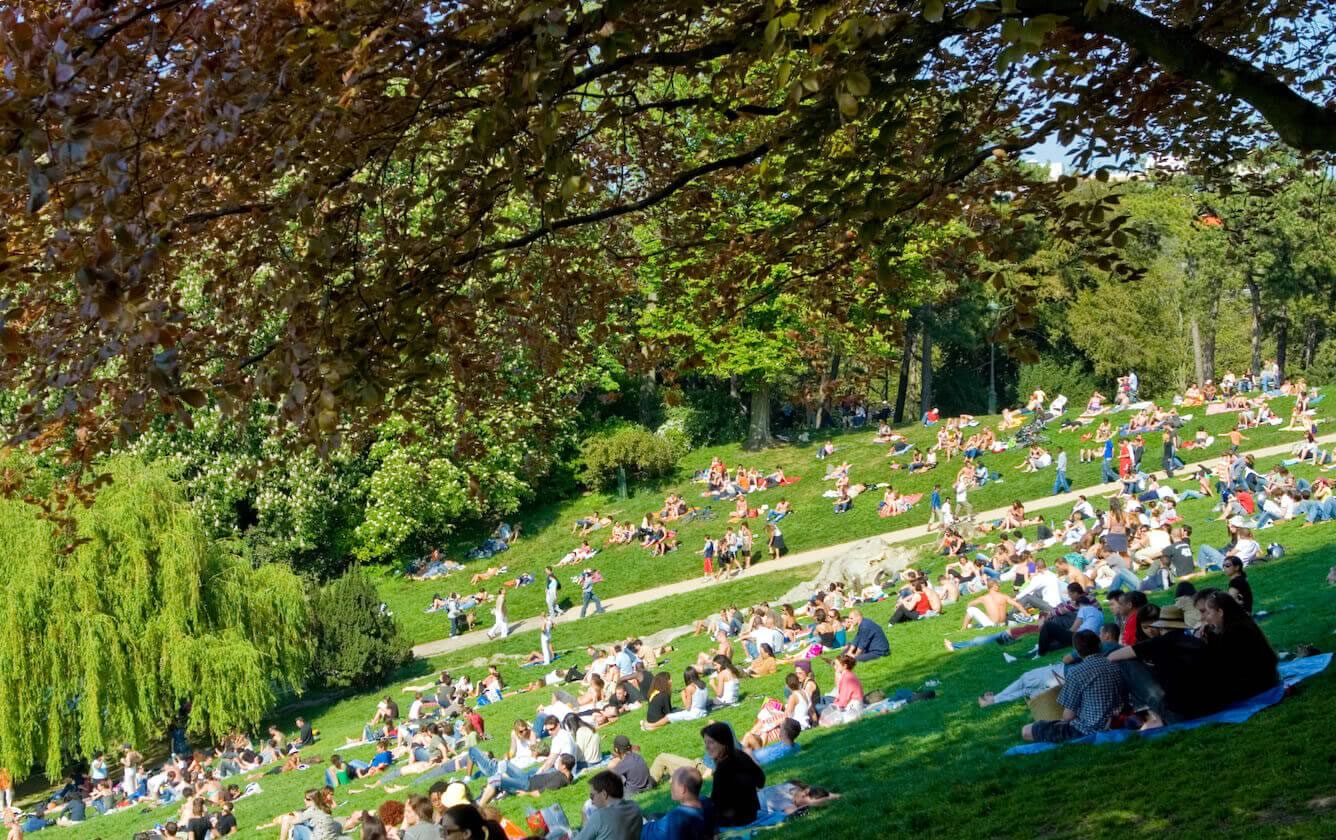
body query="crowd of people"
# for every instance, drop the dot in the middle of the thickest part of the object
(1145, 666)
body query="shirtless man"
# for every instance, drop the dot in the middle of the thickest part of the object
(1074, 575)
(990, 609)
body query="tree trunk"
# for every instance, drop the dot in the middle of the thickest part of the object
(1208, 340)
(1255, 298)
(649, 397)
(758, 425)
(828, 376)
(1312, 336)
(1282, 341)
(906, 360)
(925, 380)
(1198, 362)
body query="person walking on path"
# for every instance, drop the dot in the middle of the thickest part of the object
(553, 587)
(501, 628)
(1060, 482)
(587, 580)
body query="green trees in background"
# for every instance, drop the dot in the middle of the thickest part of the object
(104, 643)
(357, 643)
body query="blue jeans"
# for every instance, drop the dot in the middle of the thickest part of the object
(1123, 577)
(589, 597)
(1001, 638)
(1210, 558)
(1061, 484)
(1107, 473)
(301, 831)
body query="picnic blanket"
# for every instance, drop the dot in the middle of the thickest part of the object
(1290, 673)
(540, 664)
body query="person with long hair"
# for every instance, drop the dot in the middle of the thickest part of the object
(588, 743)
(466, 822)
(1240, 658)
(695, 700)
(726, 682)
(737, 777)
(373, 828)
(659, 698)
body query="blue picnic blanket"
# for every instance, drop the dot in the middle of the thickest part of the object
(1290, 673)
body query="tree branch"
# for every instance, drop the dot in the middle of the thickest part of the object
(1299, 122)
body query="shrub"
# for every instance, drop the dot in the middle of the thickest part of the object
(358, 643)
(636, 449)
(1057, 377)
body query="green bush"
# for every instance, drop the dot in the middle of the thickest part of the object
(1057, 377)
(358, 643)
(710, 416)
(636, 449)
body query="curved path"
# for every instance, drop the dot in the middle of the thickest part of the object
(798, 560)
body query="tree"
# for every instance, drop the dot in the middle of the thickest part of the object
(357, 643)
(336, 207)
(106, 642)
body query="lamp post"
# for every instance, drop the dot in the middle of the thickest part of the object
(992, 360)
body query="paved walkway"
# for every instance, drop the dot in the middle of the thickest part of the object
(798, 560)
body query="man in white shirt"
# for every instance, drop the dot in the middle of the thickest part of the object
(1043, 591)
(766, 634)
(552, 586)
(415, 708)
(1083, 508)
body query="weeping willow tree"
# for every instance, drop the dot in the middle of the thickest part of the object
(104, 644)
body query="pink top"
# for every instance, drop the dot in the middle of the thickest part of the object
(847, 689)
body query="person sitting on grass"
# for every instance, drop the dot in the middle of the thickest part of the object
(990, 609)
(786, 745)
(920, 601)
(737, 777)
(535, 785)
(692, 819)
(613, 817)
(869, 640)
(1092, 693)
(1238, 653)
(695, 702)
(847, 706)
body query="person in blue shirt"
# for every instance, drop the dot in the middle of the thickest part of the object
(869, 640)
(787, 744)
(1107, 472)
(692, 819)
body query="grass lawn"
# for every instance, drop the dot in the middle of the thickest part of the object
(936, 768)
(547, 529)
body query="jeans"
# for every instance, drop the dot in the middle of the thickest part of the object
(1061, 484)
(1002, 638)
(1122, 577)
(589, 597)
(1107, 473)
(1210, 558)
(300, 831)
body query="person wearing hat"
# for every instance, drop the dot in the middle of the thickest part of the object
(1166, 674)
(629, 766)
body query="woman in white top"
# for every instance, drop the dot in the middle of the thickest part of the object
(726, 682)
(522, 744)
(502, 627)
(695, 701)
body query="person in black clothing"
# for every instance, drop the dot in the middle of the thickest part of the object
(198, 827)
(737, 777)
(305, 734)
(226, 823)
(1241, 659)
(1167, 673)
(1239, 586)
(660, 701)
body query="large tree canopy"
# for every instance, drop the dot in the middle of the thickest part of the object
(103, 644)
(332, 206)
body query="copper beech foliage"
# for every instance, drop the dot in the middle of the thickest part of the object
(335, 207)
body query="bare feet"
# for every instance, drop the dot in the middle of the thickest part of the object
(949, 647)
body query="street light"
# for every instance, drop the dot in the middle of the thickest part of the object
(992, 359)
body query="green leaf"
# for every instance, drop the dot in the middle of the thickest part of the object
(848, 105)
(858, 83)
(933, 10)
(772, 30)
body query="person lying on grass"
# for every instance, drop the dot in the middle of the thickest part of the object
(793, 796)
(535, 785)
